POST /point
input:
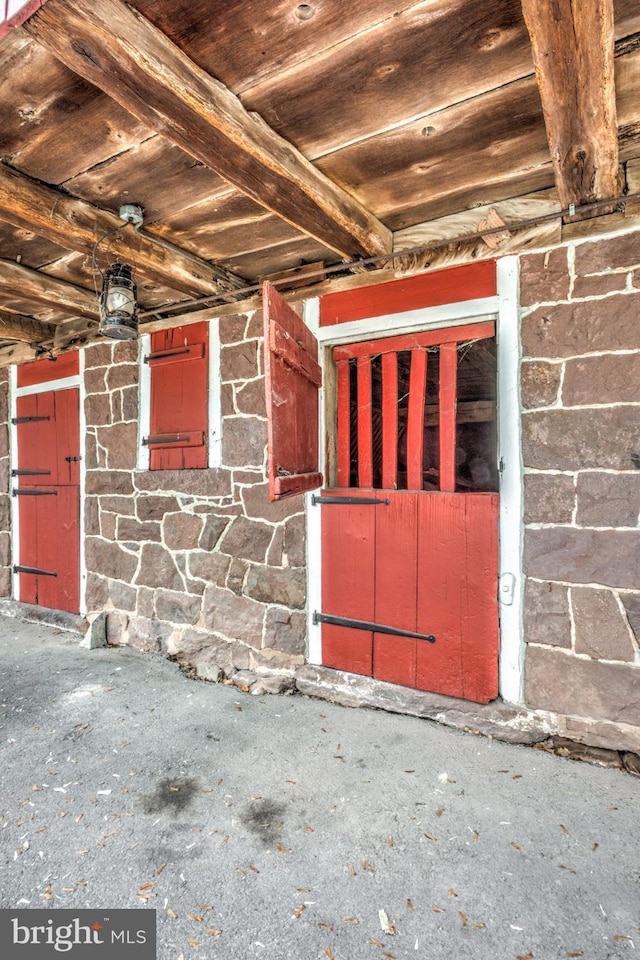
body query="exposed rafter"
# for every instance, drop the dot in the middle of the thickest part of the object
(32, 286)
(76, 225)
(118, 50)
(573, 52)
(15, 326)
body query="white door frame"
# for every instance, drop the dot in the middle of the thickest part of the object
(504, 309)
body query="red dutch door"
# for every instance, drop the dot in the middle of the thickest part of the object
(409, 533)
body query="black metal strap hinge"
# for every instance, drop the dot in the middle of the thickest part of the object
(147, 441)
(16, 420)
(372, 627)
(315, 500)
(31, 473)
(165, 356)
(35, 493)
(34, 570)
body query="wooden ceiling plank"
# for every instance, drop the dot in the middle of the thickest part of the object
(116, 49)
(15, 326)
(77, 225)
(32, 286)
(573, 52)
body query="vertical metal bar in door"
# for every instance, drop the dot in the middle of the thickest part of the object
(447, 415)
(389, 420)
(365, 424)
(344, 424)
(415, 419)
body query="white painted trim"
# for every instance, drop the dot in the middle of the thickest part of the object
(144, 402)
(13, 461)
(82, 425)
(314, 514)
(447, 315)
(214, 418)
(511, 479)
(63, 383)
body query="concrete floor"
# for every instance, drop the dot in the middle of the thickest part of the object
(287, 827)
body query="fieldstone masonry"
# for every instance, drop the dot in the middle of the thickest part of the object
(195, 563)
(580, 381)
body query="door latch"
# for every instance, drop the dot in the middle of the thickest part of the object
(507, 588)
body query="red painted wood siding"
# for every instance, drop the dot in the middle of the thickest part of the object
(468, 282)
(179, 398)
(292, 380)
(41, 371)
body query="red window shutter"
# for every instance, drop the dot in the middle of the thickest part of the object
(293, 377)
(179, 398)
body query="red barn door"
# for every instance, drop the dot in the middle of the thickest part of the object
(46, 483)
(409, 534)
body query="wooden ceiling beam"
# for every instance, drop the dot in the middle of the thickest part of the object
(76, 225)
(15, 326)
(33, 286)
(116, 49)
(573, 53)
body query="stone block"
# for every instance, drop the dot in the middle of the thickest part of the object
(109, 559)
(286, 631)
(285, 586)
(5, 581)
(117, 625)
(257, 504)
(121, 443)
(610, 558)
(581, 439)
(601, 630)
(601, 255)
(177, 607)
(232, 329)
(544, 277)
(295, 540)
(247, 539)
(209, 671)
(255, 325)
(250, 398)
(5, 512)
(200, 483)
(182, 531)
(227, 400)
(148, 635)
(5, 549)
(98, 355)
(96, 635)
(154, 508)
(562, 683)
(631, 604)
(272, 685)
(608, 499)
(540, 383)
(94, 380)
(598, 286)
(108, 526)
(91, 516)
(239, 362)
(213, 529)
(549, 498)
(124, 506)
(122, 375)
(97, 410)
(5, 475)
(201, 647)
(547, 618)
(243, 441)
(212, 567)
(97, 592)
(237, 574)
(158, 569)
(126, 351)
(611, 736)
(131, 529)
(238, 618)
(145, 604)
(129, 403)
(123, 596)
(612, 378)
(109, 482)
(591, 326)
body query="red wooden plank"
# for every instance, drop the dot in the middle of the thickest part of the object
(291, 385)
(365, 424)
(468, 282)
(447, 415)
(396, 571)
(50, 540)
(410, 341)
(348, 541)
(51, 444)
(343, 424)
(415, 419)
(389, 420)
(480, 638)
(179, 396)
(41, 371)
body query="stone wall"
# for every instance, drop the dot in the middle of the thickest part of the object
(195, 563)
(580, 380)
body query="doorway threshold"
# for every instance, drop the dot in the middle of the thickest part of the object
(31, 613)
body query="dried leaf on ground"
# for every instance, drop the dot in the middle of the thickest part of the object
(451, 892)
(429, 836)
(282, 849)
(409, 904)
(524, 956)
(440, 811)
(516, 846)
(463, 918)
(329, 953)
(170, 913)
(214, 933)
(564, 829)
(438, 910)
(299, 910)
(350, 920)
